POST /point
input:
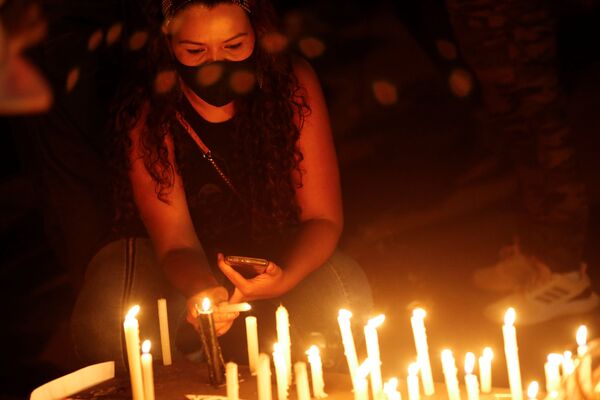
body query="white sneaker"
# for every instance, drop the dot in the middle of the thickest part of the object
(561, 294)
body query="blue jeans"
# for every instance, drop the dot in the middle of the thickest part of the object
(126, 272)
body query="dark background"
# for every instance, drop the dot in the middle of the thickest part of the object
(422, 211)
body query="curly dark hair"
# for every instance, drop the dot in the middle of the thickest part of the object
(266, 124)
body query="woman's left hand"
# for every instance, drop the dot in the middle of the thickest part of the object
(269, 284)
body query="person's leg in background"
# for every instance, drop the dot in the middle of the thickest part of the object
(511, 47)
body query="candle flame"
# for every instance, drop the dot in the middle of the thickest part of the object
(133, 312)
(581, 336)
(447, 355)
(376, 321)
(413, 369)
(510, 317)
(469, 363)
(205, 304)
(533, 389)
(313, 351)
(343, 313)
(419, 313)
(146, 346)
(488, 353)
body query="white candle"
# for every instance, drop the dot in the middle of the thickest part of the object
(281, 374)
(252, 341)
(420, 336)
(568, 365)
(263, 377)
(316, 372)
(552, 372)
(511, 351)
(147, 372)
(412, 382)
(165, 341)
(348, 341)
(374, 356)
(585, 360)
(532, 390)
(361, 385)
(232, 308)
(471, 382)
(233, 385)
(283, 337)
(450, 372)
(301, 375)
(485, 370)
(390, 388)
(132, 342)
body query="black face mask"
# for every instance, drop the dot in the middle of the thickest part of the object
(220, 92)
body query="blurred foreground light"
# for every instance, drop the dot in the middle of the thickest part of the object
(446, 49)
(311, 47)
(138, 40)
(23, 90)
(72, 79)
(242, 82)
(95, 40)
(114, 33)
(210, 74)
(164, 81)
(461, 82)
(385, 93)
(274, 42)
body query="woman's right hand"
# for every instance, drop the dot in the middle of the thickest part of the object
(218, 296)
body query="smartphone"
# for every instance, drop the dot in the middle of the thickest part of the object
(247, 266)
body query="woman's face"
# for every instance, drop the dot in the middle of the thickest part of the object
(200, 34)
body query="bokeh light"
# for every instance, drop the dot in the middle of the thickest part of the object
(242, 82)
(385, 93)
(138, 40)
(311, 47)
(165, 81)
(210, 74)
(72, 79)
(461, 82)
(114, 33)
(274, 42)
(95, 40)
(446, 49)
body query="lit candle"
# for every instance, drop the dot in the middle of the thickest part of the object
(412, 382)
(316, 372)
(450, 371)
(511, 351)
(233, 385)
(485, 370)
(263, 377)
(373, 354)
(280, 371)
(361, 385)
(132, 342)
(232, 308)
(471, 382)
(585, 360)
(252, 341)
(420, 336)
(301, 374)
(165, 341)
(348, 341)
(147, 373)
(283, 337)
(568, 365)
(552, 372)
(390, 388)
(532, 390)
(208, 335)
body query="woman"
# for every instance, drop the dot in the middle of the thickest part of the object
(235, 157)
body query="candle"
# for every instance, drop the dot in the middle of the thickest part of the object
(280, 371)
(373, 354)
(450, 371)
(208, 335)
(552, 372)
(163, 321)
(511, 351)
(316, 372)
(390, 388)
(283, 337)
(147, 373)
(301, 375)
(252, 341)
(232, 308)
(568, 365)
(412, 382)
(132, 343)
(485, 370)
(420, 336)
(233, 385)
(348, 341)
(471, 382)
(361, 385)
(532, 390)
(263, 377)
(585, 360)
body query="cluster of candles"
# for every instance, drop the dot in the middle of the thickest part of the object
(368, 373)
